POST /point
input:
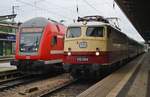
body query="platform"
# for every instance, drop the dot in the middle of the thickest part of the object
(132, 80)
(6, 67)
(141, 85)
(6, 58)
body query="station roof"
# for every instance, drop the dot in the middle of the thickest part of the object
(138, 13)
(8, 25)
(5, 17)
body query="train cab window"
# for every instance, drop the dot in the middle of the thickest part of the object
(54, 40)
(73, 32)
(95, 31)
(29, 41)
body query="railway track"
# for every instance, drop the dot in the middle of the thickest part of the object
(9, 76)
(4, 85)
(47, 87)
(71, 90)
(53, 87)
(38, 88)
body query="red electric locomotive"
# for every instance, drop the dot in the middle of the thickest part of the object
(39, 46)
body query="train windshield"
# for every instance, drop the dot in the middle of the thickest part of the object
(73, 32)
(29, 41)
(95, 31)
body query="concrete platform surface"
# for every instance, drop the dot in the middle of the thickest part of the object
(6, 67)
(3, 58)
(141, 85)
(129, 81)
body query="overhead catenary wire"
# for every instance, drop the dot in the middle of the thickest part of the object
(115, 17)
(105, 2)
(67, 11)
(90, 5)
(58, 6)
(111, 5)
(40, 8)
(5, 10)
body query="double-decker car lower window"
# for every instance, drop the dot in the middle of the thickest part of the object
(29, 41)
(94, 31)
(73, 32)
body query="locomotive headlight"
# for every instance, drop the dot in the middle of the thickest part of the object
(22, 49)
(35, 49)
(97, 53)
(69, 53)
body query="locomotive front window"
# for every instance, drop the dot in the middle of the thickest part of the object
(73, 32)
(95, 31)
(29, 41)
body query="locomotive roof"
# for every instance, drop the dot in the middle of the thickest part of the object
(88, 24)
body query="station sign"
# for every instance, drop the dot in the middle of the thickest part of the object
(11, 38)
(8, 37)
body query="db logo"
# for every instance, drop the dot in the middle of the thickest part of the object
(83, 44)
(27, 57)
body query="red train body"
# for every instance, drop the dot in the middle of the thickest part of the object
(39, 46)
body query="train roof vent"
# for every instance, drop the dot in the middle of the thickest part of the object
(93, 18)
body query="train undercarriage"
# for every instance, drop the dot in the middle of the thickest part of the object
(36, 67)
(93, 71)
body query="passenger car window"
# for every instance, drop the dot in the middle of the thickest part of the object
(94, 31)
(73, 32)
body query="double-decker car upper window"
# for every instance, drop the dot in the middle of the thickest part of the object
(73, 32)
(94, 31)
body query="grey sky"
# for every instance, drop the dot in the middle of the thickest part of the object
(66, 10)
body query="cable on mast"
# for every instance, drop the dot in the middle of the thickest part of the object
(77, 8)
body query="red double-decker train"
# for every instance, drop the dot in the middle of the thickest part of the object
(39, 46)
